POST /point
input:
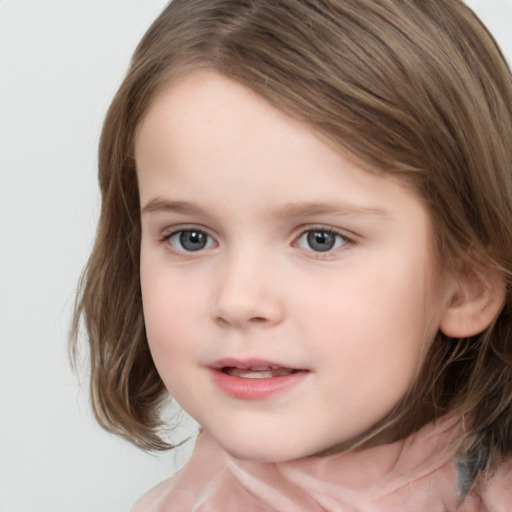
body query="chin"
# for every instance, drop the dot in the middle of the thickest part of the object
(259, 456)
(262, 451)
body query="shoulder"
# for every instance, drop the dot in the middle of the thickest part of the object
(196, 481)
(497, 492)
(153, 499)
(176, 494)
(491, 493)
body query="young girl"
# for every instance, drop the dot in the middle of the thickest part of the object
(306, 240)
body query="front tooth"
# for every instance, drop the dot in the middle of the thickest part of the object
(250, 373)
(258, 374)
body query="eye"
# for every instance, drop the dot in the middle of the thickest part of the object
(321, 240)
(190, 240)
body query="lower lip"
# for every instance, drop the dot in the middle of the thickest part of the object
(256, 389)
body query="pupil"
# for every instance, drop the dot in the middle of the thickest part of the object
(321, 241)
(192, 240)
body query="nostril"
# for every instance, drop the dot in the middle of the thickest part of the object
(254, 320)
(222, 321)
(258, 320)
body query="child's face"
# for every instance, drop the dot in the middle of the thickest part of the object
(289, 295)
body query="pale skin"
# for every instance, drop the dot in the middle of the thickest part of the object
(260, 242)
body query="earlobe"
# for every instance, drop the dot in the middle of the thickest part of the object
(477, 298)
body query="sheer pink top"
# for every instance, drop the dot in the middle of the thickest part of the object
(418, 474)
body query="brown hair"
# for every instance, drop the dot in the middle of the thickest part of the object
(414, 88)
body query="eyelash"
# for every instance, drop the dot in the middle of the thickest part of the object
(167, 238)
(339, 242)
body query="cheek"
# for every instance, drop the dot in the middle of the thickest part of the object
(170, 314)
(375, 317)
(167, 314)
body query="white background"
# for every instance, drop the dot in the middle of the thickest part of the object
(60, 63)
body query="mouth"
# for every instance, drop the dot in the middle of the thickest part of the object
(257, 372)
(254, 379)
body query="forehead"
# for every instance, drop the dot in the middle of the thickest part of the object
(203, 104)
(207, 134)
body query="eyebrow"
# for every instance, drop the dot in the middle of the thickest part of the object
(336, 208)
(159, 205)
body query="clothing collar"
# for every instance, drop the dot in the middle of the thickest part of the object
(417, 474)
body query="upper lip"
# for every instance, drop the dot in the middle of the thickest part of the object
(229, 362)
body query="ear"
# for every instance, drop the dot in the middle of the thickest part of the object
(477, 297)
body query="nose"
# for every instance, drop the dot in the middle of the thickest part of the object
(247, 293)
